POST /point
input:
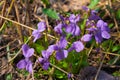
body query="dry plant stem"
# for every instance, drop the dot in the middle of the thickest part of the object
(3, 11)
(51, 73)
(25, 26)
(7, 14)
(116, 59)
(46, 19)
(117, 34)
(113, 15)
(35, 9)
(38, 17)
(27, 16)
(19, 29)
(8, 44)
(2, 2)
(11, 50)
(105, 52)
(17, 23)
(100, 67)
(90, 50)
(118, 0)
(21, 2)
(60, 69)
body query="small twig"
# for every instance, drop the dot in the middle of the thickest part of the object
(26, 26)
(113, 15)
(8, 44)
(19, 29)
(100, 67)
(105, 52)
(9, 51)
(38, 17)
(90, 50)
(61, 69)
(17, 23)
(27, 15)
(3, 10)
(7, 14)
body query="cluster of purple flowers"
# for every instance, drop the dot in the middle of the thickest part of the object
(71, 28)
(98, 29)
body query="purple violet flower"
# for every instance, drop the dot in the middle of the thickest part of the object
(61, 25)
(74, 19)
(93, 15)
(58, 28)
(26, 63)
(37, 33)
(101, 31)
(61, 53)
(73, 28)
(77, 46)
(27, 51)
(44, 61)
(85, 8)
(69, 75)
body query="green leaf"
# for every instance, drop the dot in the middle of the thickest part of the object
(111, 25)
(93, 3)
(38, 47)
(8, 77)
(118, 14)
(51, 13)
(116, 73)
(64, 64)
(25, 38)
(116, 48)
(60, 75)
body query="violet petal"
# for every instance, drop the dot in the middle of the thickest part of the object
(105, 35)
(36, 35)
(98, 37)
(77, 31)
(86, 37)
(41, 26)
(62, 43)
(29, 67)
(78, 46)
(27, 51)
(21, 64)
(58, 28)
(46, 65)
(46, 54)
(61, 54)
